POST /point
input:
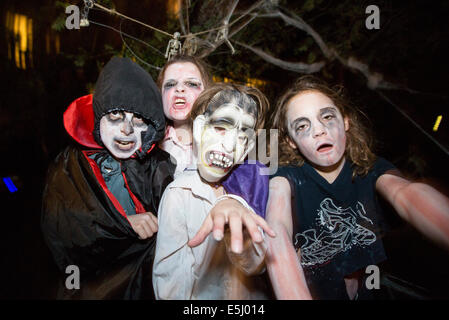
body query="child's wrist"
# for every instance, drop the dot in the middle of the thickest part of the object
(235, 197)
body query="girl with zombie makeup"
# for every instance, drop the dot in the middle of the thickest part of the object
(322, 204)
(181, 81)
(226, 118)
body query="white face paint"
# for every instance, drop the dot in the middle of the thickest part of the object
(223, 139)
(181, 85)
(120, 132)
(317, 128)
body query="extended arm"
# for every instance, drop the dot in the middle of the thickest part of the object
(284, 268)
(419, 204)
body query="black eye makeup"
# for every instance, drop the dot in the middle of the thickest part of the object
(193, 84)
(300, 125)
(138, 121)
(115, 115)
(119, 116)
(328, 117)
(328, 113)
(169, 84)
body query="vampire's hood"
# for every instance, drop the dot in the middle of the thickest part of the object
(122, 86)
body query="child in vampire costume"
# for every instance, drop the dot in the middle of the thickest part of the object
(85, 205)
(115, 174)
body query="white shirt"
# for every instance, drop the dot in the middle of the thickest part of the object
(206, 271)
(182, 153)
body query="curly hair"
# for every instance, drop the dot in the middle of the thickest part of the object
(358, 141)
(204, 99)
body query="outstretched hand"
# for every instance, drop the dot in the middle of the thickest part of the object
(233, 213)
(144, 224)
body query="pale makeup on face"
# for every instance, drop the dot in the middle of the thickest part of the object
(120, 133)
(225, 141)
(317, 128)
(181, 86)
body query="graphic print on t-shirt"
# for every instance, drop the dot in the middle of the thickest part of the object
(336, 230)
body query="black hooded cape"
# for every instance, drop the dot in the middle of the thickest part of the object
(83, 223)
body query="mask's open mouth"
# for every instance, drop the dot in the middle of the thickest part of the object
(219, 160)
(325, 147)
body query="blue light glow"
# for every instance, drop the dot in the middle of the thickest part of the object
(10, 185)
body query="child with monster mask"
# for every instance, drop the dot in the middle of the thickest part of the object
(225, 120)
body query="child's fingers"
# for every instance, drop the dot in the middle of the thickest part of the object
(153, 218)
(251, 226)
(150, 221)
(235, 224)
(140, 232)
(147, 229)
(264, 225)
(202, 233)
(218, 229)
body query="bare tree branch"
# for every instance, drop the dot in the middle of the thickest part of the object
(374, 79)
(299, 23)
(231, 11)
(291, 66)
(208, 51)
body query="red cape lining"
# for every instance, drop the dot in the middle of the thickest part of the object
(79, 121)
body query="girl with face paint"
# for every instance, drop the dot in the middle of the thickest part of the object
(322, 203)
(181, 81)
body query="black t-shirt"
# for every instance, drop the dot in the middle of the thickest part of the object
(336, 225)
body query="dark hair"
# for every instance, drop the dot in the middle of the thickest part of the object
(206, 75)
(204, 99)
(358, 142)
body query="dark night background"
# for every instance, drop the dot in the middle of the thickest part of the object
(57, 65)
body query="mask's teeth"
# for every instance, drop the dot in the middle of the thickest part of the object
(219, 160)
